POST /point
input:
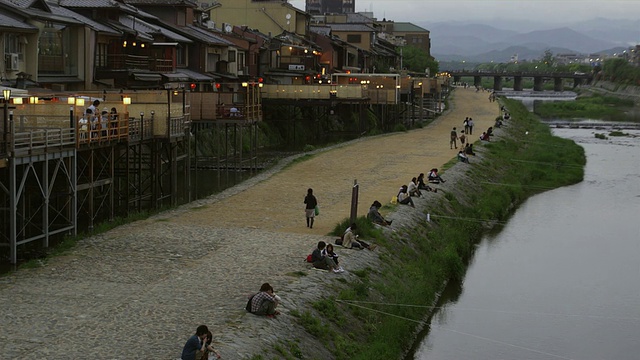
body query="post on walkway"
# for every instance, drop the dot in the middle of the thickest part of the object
(354, 201)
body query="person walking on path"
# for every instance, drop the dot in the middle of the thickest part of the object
(454, 137)
(466, 125)
(470, 126)
(310, 208)
(462, 138)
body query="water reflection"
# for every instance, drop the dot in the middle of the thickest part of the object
(561, 280)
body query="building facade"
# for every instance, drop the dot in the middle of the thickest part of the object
(320, 7)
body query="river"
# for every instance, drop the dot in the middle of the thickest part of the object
(562, 278)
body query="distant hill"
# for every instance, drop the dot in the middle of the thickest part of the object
(483, 42)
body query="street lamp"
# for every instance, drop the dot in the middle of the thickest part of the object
(126, 101)
(6, 93)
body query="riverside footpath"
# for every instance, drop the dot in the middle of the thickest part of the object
(140, 290)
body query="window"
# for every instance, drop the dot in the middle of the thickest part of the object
(354, 38)
(56, 54)
(181, 56)
(14, 43)
(232, 56)
(101, 55)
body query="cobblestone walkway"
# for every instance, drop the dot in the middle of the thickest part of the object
(140, 290)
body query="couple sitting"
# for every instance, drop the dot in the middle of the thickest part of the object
(324, 258)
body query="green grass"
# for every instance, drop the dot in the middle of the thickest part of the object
(594, 107)
(416, 262)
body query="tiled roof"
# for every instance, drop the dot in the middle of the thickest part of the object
(8, 22)
(204, 35)
(58, 10)
(142, 26)
(161, 2)
(350, 27)
(356, 18)
(324, 30)
(106, 4)
(407, 27)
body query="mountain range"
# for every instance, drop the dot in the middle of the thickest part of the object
(501, 39)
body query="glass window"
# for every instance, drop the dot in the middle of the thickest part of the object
(58, 50)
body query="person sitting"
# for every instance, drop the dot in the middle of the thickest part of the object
(234, 112)
(413, 188)
(208, 348)
(490, 131)
(324, 262)
(264, 302)
(468, 149)
(423, 186)
(434, 178)
(498, 123)
(195, 343)
(485, 137)
(328, 251)
(462, 157)
(351, 240)
(375, 216)
(404, 198)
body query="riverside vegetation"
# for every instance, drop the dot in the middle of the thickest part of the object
(378, 315)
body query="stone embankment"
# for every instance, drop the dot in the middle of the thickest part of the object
(140, 290)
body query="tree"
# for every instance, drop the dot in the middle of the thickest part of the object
(416, 59)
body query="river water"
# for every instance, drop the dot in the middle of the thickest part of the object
(562, 278)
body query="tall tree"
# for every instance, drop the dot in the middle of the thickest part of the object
(416, 59)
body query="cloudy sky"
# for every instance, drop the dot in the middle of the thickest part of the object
(555, 11)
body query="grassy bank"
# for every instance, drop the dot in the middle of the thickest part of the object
(594, 107)
(368, 318)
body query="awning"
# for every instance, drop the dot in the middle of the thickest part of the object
(176, 77)
(225, 76)
(147, 77)
(196, 76)
(59, 79)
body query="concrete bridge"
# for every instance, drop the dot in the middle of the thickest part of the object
(538, 78)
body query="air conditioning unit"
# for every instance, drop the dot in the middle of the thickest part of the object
(11, 62)
(210, 25)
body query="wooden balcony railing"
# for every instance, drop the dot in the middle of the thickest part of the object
(34, 140)
(137, 62)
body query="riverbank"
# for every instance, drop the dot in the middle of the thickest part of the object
(140, 290)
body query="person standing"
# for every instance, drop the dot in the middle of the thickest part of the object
(462, 138)
(470, 126)
(466, 125)
(310, 208)
(195, 343)
(454, 137)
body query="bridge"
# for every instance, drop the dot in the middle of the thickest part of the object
(538, 78)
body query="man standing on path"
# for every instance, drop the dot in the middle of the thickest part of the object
(454, 137)
(470, 126)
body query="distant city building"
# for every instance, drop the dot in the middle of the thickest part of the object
(320, 7)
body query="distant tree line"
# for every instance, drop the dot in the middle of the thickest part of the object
(620, 71)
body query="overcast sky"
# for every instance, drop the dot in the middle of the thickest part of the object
(555, 11)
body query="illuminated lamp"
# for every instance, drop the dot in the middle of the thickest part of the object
(80, 102)
(33, 99)
(71, 100)
(218, 85)
(192, 86)
(17, 101)
(260, 80)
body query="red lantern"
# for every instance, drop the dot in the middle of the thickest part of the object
(217, 85)
(192, 86)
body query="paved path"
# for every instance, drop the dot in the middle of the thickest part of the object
(140, 290)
